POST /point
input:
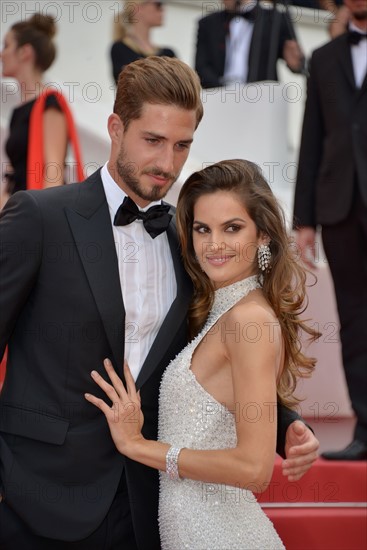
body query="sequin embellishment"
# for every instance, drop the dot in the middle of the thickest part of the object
(193, 514)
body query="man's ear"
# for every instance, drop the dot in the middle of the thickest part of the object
(115, 127)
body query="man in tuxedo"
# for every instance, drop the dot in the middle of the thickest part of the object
(89, 271)
(243, 42)
(331, 191)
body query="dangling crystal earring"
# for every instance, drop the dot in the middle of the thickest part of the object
(264, 257)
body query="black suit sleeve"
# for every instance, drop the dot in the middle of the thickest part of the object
(203, 58)
(20, 256)
(309, 156)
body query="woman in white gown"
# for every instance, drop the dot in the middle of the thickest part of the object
(217, 408)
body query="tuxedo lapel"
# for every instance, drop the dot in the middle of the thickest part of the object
(345, 58)
(90, 224)
(220, 38)
(176, 313)
(363, 89)
(256, 45)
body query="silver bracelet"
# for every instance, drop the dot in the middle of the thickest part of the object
(172, 463)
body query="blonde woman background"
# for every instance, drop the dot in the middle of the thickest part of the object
(132, 34)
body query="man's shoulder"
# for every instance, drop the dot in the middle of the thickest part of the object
(214, 18)
(330, 47)
(61, 195)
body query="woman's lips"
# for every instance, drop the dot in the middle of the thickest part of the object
(218, 260)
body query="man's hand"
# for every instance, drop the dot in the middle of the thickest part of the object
(305, 240)
(293, 55)
(301, 448)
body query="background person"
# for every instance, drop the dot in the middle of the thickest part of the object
(235, 44)
(41, 127)
(331, 191)
(132, 34)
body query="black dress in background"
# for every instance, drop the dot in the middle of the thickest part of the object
(122, 54)
(16, 146)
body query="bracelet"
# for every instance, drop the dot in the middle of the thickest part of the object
(172, 463)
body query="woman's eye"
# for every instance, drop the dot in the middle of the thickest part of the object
(201, 229)
(233, 228)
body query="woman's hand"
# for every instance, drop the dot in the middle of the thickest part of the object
(124, 416)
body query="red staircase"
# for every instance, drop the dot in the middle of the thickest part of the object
(325, 510)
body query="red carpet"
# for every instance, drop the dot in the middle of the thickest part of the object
(325, 510)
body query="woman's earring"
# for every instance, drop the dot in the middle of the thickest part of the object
(264, 257)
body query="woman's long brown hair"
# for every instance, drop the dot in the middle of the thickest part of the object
(284, 285)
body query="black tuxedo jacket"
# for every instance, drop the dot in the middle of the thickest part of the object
(62, 313)
(211, 46)
(333, 153)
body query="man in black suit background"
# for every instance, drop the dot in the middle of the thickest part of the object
(243, 43)
(87, 274)
(331, 191)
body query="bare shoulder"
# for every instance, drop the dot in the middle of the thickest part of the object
(258, 325)
(259, 344)
(252, 308)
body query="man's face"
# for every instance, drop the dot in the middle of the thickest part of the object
(153, 150)
(229, 4)
(358, 8)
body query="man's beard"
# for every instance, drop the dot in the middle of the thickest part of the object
(127, 170)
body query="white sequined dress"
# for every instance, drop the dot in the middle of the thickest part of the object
(193, 514)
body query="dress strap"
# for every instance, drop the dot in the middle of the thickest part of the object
(35, 156)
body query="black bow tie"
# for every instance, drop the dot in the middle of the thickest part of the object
(354, 37)
(249, 15)
(155, 220)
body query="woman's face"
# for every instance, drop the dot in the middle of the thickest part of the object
(10, 55)
(225, 238)
(151, 13)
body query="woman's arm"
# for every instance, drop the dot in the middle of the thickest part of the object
(55, 147)
(250, 463)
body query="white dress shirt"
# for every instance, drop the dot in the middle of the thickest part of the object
(238, 44)
(359, 58)
(147, 278)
